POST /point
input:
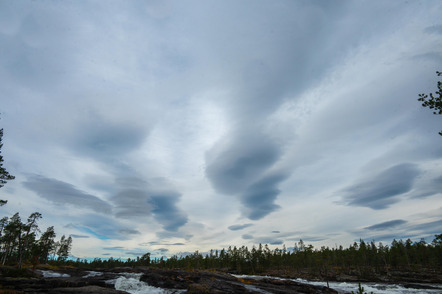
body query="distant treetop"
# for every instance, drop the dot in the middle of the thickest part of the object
(432, 101)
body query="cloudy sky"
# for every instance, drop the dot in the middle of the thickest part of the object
(175, 126)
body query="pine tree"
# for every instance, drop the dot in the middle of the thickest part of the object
(4, 174)
(432, 101)
(64, 249)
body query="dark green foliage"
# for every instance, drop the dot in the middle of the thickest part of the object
(13, 272)
(360, 290)
(19, 243)
(46, 244)
(145, 259)
(437, 242)
(63, 247)
(362, 259)
(365, 259)
(4, 174)
(105, 263)
(432, 101)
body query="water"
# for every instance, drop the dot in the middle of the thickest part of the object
(130, 282)
(93, 274)
(51, 274)
(345, 287)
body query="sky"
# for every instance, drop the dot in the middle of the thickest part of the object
(175, 126)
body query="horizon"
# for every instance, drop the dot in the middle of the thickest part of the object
(176, 126)
(271, 247)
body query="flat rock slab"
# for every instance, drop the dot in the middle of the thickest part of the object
(215, 282)
(82, 281)
(85, 289)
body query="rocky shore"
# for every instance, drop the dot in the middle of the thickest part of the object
(401, 276)
(72, 280)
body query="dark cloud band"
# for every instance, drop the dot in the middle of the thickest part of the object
(381, 191)
(64, 193)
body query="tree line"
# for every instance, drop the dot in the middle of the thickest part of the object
(19, 243)
(362, 255)
(18, 239)
(100, 263)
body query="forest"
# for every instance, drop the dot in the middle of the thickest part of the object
(18, 239)
(19, 243)
(401, 254)
(365, 258)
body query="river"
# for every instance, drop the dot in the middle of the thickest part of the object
(130, 282)
(348, 287)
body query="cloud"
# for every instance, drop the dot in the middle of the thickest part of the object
(269, 240)
(149, 199)
(387, 237)
(231, 168)
(436, 29)
(258, 199)
(173, 234)
(32, 56)
(433, 227)
(239, 166)
(386, 225)
(163, 244)
(239, 227)
(64, 193)
(432, 56)
(247, 237)
(162, 250)
(117, 248)
(166, 211)
(135, 253)
(103, 138)
(131, 203)
(433, 187)
(402, 230)
(245, 116)
(79, 236)
(129, 232)
(103, 227)
(94, 232)
(381, 190)
(309, 238)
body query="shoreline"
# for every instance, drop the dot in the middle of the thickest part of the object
(82, 280)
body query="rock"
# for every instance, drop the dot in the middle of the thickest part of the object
(35, 282)
(215, 282)
(86, 289)
(73, 280)
(287, 286)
